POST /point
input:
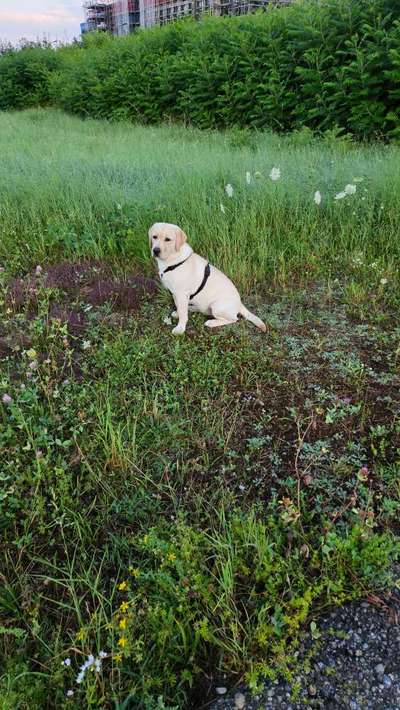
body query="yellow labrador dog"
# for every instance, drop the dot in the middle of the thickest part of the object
(195, 284)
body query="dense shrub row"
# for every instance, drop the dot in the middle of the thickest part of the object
(320, 64)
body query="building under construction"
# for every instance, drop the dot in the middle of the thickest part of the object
(120, 17)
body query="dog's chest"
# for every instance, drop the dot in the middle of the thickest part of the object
(167, 281)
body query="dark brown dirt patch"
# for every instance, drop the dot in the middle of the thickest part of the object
(90, 281)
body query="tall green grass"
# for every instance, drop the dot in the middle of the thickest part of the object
(73, 188)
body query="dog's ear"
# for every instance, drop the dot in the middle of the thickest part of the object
(181, 238)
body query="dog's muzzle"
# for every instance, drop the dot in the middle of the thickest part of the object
(156, 251)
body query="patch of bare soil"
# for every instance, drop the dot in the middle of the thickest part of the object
(69, 284)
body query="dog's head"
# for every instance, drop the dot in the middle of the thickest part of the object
(166, 239)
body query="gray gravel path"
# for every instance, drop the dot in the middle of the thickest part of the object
(357, 666)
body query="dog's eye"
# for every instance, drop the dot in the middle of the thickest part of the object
(155, 236)
(167, 239)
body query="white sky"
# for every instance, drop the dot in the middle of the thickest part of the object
(33, 19)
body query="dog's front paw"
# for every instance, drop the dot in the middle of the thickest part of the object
(178, 330)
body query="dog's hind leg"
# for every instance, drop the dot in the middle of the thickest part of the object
(223, 314)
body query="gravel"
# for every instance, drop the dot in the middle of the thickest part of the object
(356, 666)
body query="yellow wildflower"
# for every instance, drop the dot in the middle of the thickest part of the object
(122, 624)
(122, 642)
(122, 586)
(118, 658)
(135, 571)
(124, 607)
(80, 635)
(171, 557)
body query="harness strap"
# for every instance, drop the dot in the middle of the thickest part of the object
(207, 272)
(175, 266)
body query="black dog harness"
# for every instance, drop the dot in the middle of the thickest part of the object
(207, 272)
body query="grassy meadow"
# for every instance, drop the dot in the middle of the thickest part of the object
(176, 512)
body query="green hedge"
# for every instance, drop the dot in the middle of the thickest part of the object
(319, 63)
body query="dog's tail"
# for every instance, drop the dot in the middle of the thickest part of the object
(252, 318)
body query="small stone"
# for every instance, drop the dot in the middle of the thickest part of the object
(221, 690)
(240, 701)
(312, 690)
(358, 652)
(380, 669)
(387, 681)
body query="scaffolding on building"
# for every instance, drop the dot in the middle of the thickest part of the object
(98, 16)
(121, 17)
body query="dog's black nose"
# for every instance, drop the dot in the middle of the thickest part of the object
(156, 251)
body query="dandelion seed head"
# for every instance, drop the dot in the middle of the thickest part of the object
(229, 190)
(317, 197)
(384, 281)
(275, 174)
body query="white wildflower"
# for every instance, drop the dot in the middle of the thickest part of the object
(167, 320)
(222, 208)
(38, 270)
(86, 345)
(80, 677)
(103, 654)
(119, 207)
(248, 178)
(97, 665)
(70, 693)
(229, 190)
(66, 661)
(275, 174)
(350, 189)
(317, 197)
(340, 195)
(384, 282)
